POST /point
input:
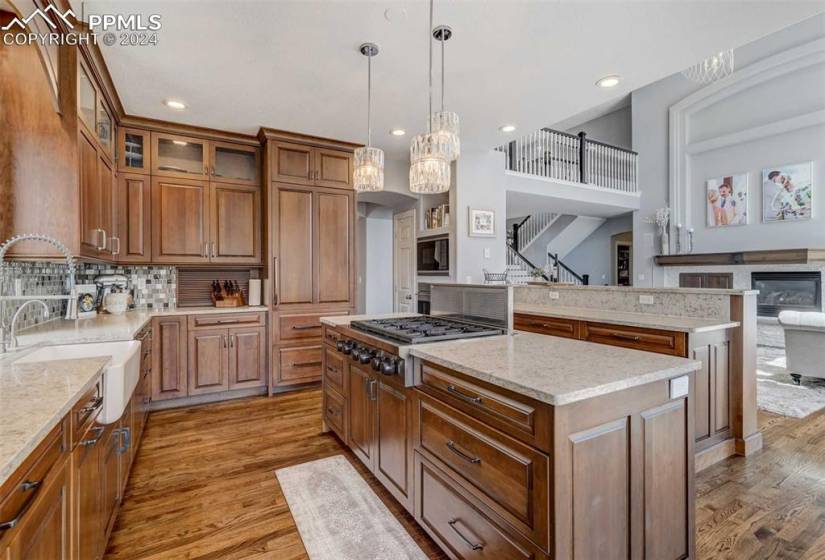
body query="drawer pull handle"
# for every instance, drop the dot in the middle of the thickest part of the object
(330, 411)
(462, 396)
(625, 336)
(89, 442)
(305, 364)
(226, 321)
(25, 487)
(452, 447)
(91, 407)
(471, 544)
(305, 327)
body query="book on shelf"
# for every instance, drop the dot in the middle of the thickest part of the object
(438, 217)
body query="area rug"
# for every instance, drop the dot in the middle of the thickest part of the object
(776, 392)
(339, 517)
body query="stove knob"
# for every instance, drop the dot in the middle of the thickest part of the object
(339, 345)
(348, 346)
(389, 366)
(366, 356)
(355, 351)
(376, 363)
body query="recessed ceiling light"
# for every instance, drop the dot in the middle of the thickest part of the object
(174, 104)
(507, 127)
(398, 132)
(609, 81)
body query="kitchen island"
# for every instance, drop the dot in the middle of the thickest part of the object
(527, 446)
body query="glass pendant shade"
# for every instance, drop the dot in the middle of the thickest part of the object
(712, 68)
(369, 169)
(445, 125)
(429, 165)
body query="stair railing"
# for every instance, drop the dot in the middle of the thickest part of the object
(565, 274)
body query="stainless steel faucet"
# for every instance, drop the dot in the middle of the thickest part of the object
(12, 342)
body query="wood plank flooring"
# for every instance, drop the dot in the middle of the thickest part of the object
(203, 486)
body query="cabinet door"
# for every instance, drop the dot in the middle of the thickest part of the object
(133, 151)
(234, 163)
(87, 539)
(179, 156)
(169, 358)
(393, 450)
(180, 224)
(208, 361)
(110, 476)
(298, 364)
(335, 247)
(91, 234)
(362, 413)
(333, 168)
(106, 176)
(292, 163)
(134, 224)
(293, 216)
(236, 224)
(247, 358)
(105, 129)
(44, 530)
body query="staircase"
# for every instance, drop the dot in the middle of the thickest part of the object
(533, 227)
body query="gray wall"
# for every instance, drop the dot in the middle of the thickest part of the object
(594, 255)
(746, 109)
(375, 233)
(613, 128)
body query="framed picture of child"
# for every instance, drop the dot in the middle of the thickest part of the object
(727, 199)
(787, 192)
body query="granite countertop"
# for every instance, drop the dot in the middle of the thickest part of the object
(551, 369)
(640, 289)
(345, 320)
(34, 398)
(109, 328)
(629, 318)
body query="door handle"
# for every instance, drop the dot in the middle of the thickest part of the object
(116, 252)
(232, 341)
(275, 282)
(468, 542)
(452, 447)
(305, 327)
(214, 253)
(223, 337)
(26, 486)
(462, 396)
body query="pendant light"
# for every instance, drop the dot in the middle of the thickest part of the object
(445, 124)
(429, 153)
(368, 175)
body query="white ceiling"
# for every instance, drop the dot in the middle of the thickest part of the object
(294, 65)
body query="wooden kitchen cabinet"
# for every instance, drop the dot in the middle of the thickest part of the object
(234, 163)
(181, 157)
(208, 361)
(335, 246)
(333, 168)
(712, 399)
(292, 211)
(110, 475)
(169, 357)
(307, 165)
(133, 151)
(87, 505)
(361, 428)
(180, 221)
(235, 224)
(91, 200)
(393, 445)
(134, 203)
(247, 357)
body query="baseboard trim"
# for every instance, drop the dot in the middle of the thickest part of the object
(206, 399)
(715, 453)
(749, 445)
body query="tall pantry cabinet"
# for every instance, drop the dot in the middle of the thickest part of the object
(311, 248)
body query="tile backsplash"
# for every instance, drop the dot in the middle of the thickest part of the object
(153, 287)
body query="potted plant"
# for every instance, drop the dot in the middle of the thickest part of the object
(537, 277)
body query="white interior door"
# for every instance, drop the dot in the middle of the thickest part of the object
(403, 267)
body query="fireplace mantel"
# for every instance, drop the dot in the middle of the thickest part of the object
(777, 256)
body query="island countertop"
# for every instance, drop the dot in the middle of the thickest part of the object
(628, 318)
(554, 370)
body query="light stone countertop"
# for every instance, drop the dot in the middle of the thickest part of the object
(640, 289)
(629, 318)
(34, 398)
(554, 370)
(110, 328)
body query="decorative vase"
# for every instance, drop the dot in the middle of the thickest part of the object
(664, 239)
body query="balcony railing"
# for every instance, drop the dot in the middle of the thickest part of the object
(558, 155)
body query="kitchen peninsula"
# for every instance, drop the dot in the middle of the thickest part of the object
(522, 445)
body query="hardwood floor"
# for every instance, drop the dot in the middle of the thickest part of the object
(203, 486)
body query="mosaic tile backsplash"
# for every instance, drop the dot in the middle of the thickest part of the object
(152, 287)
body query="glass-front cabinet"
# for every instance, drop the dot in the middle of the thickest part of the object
(105, 128)
(234, 163)
(133, 150)
(179, 156)
(86, 98)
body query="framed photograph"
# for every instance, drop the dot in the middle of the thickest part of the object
(787, 192)
(727, 199)
(482, 223)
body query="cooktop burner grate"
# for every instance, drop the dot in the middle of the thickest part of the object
(414, 330)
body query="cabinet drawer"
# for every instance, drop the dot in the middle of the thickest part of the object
(24, 485)
(334, 370)
(301, 364)
(226, 320)
(86, 410)
(554, 326)
(334, 412)
(294, 327)
(459, 525)
(514, 414)
(506, 475)
(662, 342)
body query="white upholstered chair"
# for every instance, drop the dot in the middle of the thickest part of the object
(804, 343)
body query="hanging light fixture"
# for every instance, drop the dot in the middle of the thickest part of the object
(430, 154)
(445, 124)
(712, 68)
(369, 162)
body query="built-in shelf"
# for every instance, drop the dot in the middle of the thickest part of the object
(777, 256)
(433, 232)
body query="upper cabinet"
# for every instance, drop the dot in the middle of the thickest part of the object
(179, 156)
(307, 165)
(234, 163)
(133, 151)
(86, 98)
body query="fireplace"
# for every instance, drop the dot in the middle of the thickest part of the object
(778, 291)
